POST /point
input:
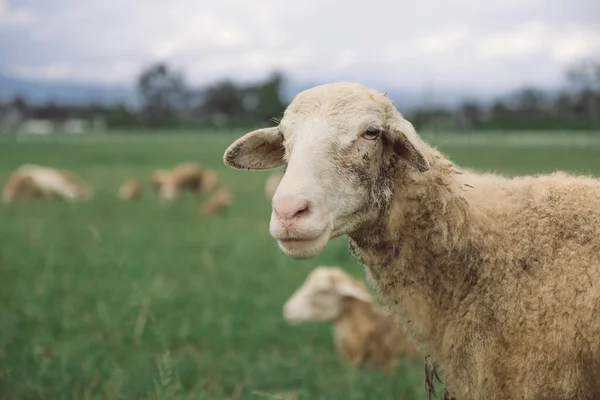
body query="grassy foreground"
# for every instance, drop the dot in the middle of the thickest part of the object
(142, 300)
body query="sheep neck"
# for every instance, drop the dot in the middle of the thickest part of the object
(418, 252)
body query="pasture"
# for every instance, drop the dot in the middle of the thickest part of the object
(124, 300)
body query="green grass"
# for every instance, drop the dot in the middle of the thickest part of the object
(143, 300)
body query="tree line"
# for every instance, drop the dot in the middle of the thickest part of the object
(167, 101)
(577, 106)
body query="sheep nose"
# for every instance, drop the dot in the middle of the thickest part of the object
(287, 208)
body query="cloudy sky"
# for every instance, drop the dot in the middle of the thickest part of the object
(400, 43)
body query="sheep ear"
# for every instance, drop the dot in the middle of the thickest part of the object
(405, 141)
(259, 149)
(351, 289)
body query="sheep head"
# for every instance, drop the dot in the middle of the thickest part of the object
(342, 145)
(320, 298)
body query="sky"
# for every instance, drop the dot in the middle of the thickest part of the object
(488, 46)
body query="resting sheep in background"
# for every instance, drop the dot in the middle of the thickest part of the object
(217, 202)
(363, 332)
(497, 278)
(36, 181)
(169, 183)
(271, 184)
(130, 190)
(209, 181)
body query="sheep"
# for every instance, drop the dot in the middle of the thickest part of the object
(497, 278)
(272, 183)
(130, 190)
(169, 183)
(218, 201)
(158, 177)
(36, 181)
(209, 180)
(364, 334)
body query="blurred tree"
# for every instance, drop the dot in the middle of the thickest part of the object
(163, 95)
(52, 111)
(18, 103)
(585, 74)
(431, 118)
(564, 102)
(120, 116)
(12, 113)
(228, 104)
(499, 109)
(585, 78)
(223, 101)
(565, 109)
(529, 99)
(471, 114)
(269, 105)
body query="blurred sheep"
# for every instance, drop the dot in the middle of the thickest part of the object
(363, 332)
(36, 181)
(130, 190)
(209, 181)
(169, 183)
(220, 200)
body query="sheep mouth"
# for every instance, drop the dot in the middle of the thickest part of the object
(296, 242)
(304, 248)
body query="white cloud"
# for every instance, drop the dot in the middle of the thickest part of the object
(267, 60)
(444, 41)
(576, 46)
(345, 58)
(207, 27)
(14, 18)
(464, 42)
(534, 38)
(530, 38)
(275, 39)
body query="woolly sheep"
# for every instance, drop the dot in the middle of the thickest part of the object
(36, 181)
(217, 202)
(130, 190)
(363, 332)
(272, 183)
(497, 278)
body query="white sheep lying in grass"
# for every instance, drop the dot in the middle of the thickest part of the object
(184, 176)
(36, 181)
(217, 202)
(497, 278)
(209, 181)
(363, 333)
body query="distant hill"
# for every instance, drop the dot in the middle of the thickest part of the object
(64, 92)
(37, 91)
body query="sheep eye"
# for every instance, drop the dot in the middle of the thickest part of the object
(371, 133)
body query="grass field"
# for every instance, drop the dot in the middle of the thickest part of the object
(142, 300)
